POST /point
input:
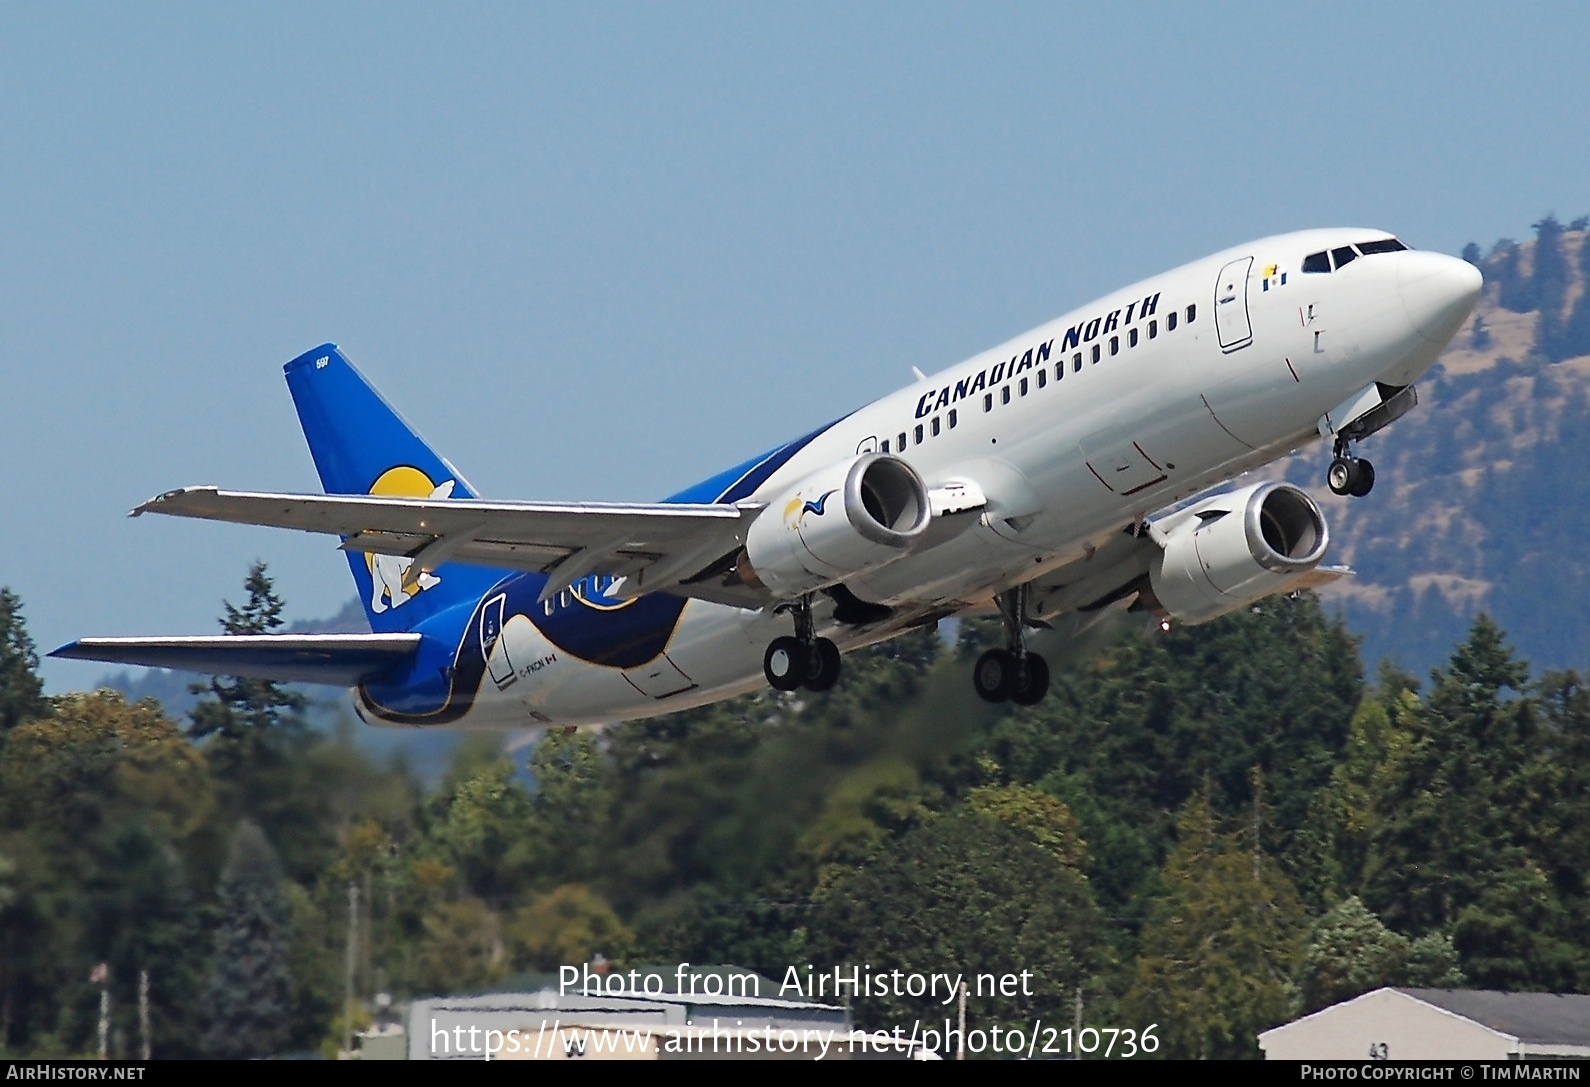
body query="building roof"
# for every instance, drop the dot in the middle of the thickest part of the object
(1538, 1018)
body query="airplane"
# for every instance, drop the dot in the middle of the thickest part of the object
(1070, 473)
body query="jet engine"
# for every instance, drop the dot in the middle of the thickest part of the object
(839, 521)
(1235, 548)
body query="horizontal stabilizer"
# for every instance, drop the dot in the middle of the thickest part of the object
(341, 660)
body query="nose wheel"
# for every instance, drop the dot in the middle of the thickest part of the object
(803, 660)
(1012, 674)
(1350, 476)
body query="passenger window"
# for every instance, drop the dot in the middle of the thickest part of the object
(1076, 363)
(1043, 378)
(900, 445)
(1382, 245)
(1023, 386)
(1153, 329)
(1004, 395)
(1192, 314)
(952, 418)
(885, 446)
(1343, 256)
(1131, 338)
(1095, 352)
(935, 426)
(1170, 321)
(919, 434)
(1317, 262)
(1060, 369)
(1115, 345)
(988, 401)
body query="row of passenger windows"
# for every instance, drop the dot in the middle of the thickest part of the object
(934, 428)
(1323, 260)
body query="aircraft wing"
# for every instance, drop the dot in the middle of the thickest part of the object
(685, 549)
(342, 660)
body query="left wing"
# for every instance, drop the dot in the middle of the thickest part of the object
(341, 660)
(685, 549)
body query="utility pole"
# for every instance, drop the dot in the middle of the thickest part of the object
(353, 951)
(1076, 1024)
(101, 976)
(960, 1042)
(143, 1013)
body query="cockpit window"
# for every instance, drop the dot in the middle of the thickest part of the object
(1317, 262)
(1381, 245)
(1343, 256)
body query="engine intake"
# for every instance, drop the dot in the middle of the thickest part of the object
(1236, 548)
(839, 521)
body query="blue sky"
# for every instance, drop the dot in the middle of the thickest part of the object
(601, 251)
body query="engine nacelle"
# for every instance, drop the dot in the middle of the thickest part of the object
(1235, 548)
(839, 521)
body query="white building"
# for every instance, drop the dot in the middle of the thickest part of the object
(1437, 1024)
(548, 1020)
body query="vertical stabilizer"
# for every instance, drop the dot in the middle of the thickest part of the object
(362, 446)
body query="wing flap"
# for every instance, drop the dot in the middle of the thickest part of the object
(341, 660)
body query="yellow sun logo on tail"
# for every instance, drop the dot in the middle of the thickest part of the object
(387, 571)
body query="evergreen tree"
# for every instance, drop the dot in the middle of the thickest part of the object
(1349, 952)
(1219, 952)
(21, 692)
(1513, 291)
(981, 899)
(1549, 284)
(1468, 812)
(1575, 335)
(1479, 334)
(245, 713)
(248, 998)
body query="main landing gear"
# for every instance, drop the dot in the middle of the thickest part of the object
(1012, 674)
(1349, 474)
(804, 660)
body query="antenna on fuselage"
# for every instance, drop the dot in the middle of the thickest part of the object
(918, 374)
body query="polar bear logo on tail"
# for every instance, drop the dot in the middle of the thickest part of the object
(386, 571)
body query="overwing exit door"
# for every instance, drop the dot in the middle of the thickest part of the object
(1231, 305)
(497, 664)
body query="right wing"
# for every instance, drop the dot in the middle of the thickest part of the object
(685, 549)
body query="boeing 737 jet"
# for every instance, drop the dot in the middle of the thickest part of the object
(1066, 474)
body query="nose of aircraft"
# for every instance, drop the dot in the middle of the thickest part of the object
(1438, 292)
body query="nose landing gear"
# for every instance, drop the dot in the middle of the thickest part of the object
(1349, 475)
(804, 660)
(1012, 674)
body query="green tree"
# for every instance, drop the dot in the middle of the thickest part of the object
(1349, 952)
(21, 692)
(567, 926)
(1470, 810)
(981, 899)
(246, 714)
(1218, 955)
(249, 995)
(1549, 284)
(1575, 339)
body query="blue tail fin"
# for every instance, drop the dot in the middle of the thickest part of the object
(361, 446)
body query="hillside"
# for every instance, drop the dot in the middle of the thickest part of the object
(1481, 503)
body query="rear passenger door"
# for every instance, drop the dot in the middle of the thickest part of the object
(1232, 326)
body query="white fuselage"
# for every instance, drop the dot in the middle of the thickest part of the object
(1255, 358)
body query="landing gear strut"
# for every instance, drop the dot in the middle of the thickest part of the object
(1349, 474)
(1012, 674)
(804, 660)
